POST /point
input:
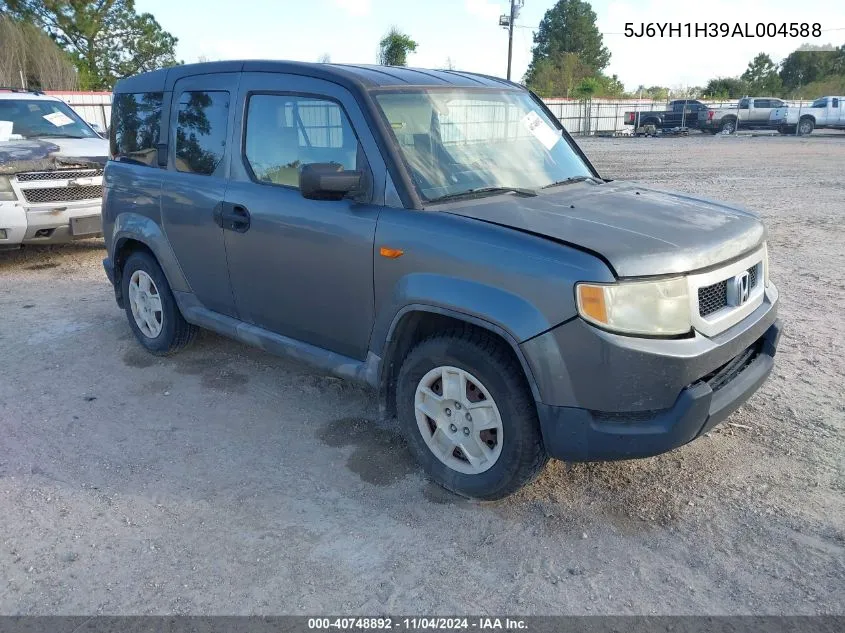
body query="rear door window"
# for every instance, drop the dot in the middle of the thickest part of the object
(136, 122)
(201, 128)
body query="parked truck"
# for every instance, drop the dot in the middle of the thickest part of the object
(825, 112)
(51, 171)
(750, 113)
(680, 113)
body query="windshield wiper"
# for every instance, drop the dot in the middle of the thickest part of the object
(483, 191)
(51, 135)
(569, 181)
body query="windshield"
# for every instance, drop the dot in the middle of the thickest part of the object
(459, 141)
(34, 118)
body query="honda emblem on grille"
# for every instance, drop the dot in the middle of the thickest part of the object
(738, 289)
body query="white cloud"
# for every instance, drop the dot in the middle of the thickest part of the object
(355, 7)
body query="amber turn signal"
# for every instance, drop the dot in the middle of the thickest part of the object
(591, 302)
(390, 253)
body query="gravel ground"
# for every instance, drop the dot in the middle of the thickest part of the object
(227, 481)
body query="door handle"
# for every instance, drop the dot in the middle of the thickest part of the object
(234, 217)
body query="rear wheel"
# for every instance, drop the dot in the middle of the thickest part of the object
(153, 315)
(468, 415)
(728, 126)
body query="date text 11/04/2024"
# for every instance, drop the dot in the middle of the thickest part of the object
(723, 29)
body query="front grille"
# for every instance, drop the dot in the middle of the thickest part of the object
(31, 176)
(714, 297)
(63, 194)
(720, 377)
(752, 277)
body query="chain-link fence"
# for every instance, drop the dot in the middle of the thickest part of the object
(607, 116)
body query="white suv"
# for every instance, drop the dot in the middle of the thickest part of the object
(51, 171)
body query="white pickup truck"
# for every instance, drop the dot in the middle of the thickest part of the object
(823, 112)
(51, 171)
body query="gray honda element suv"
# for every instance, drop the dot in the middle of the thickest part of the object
(438, 236)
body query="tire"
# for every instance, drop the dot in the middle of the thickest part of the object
(806, 126)
(173, 333)
(514, 454)
(728, 126)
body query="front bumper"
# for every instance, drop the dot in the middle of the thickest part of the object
(605, 396)
(576, 434)
(44, 224)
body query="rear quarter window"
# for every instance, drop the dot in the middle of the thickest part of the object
(201, 131)
(136, 123)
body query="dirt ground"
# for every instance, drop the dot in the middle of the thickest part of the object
(227, 481)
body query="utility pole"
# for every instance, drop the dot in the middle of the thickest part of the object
(506, 22)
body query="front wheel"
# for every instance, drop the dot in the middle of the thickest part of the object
(153, 315)
(468, 415)
(805, 126)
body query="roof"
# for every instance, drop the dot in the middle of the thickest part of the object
(6, 94)
(361, 75)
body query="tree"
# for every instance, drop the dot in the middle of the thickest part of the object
(681, 91)
(107, 39)
(394, 48)
(805, 65)
(569, 27)
(325, 58)
(29, 57)
(587, 88)
(610, 86)
(657, 93)
(761, 77)
(559, 74)
(725, 88)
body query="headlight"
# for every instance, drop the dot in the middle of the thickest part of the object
(6, 192)
(656, 308)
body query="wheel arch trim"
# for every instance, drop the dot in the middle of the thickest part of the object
(390, 341)
(140, 228)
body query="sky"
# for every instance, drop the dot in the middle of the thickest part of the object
(466, 32)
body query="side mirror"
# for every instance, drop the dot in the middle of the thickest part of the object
(327, 181)
(98, 128)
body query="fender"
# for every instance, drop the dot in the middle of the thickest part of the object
(509, 313)
(461, 316)
(139, 227)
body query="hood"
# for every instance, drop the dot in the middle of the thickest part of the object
(92, 148)
(26, 151)
(640, 231)
(46, 155)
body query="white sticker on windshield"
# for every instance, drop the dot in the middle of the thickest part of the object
(541, 130)
(58, 118)
(5, 130)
